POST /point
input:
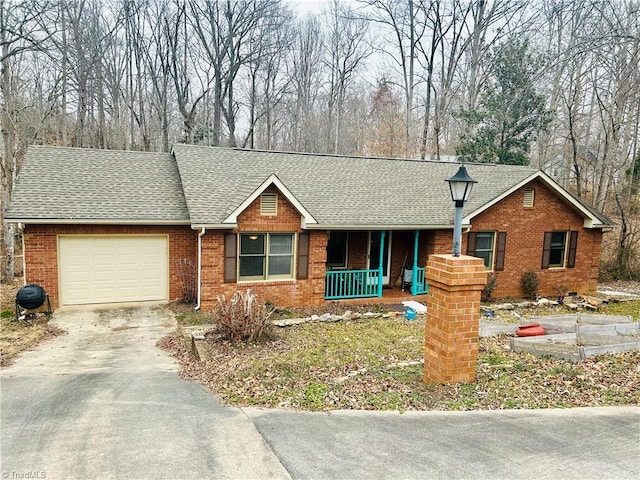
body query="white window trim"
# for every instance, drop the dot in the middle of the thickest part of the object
(494, 243)
(266, 277)
(565, 254)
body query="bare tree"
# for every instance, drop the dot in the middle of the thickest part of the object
(225, 29)
(20, 32)
(306, 76)
(183, 68)
(406, 24)
(347, 50)
(269, 78)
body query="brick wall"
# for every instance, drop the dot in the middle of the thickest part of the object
(41, 251)
(525, 227)
(294, 292)
(451, 333)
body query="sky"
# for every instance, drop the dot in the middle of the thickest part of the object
(307, 6)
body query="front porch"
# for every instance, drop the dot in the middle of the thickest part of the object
(390, 296)
(391, 260)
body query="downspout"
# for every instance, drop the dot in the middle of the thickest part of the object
(24, 256)
(197, 307)
(414, 275)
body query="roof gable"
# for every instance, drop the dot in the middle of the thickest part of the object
(591, 218)
(272, 180)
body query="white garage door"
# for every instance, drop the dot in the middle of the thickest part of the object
(107, 269)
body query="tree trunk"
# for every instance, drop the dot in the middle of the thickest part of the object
(8, 164)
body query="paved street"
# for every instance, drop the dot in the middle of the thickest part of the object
(582, 443)
(104, 402)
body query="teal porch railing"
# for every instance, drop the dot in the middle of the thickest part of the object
(341, 284)
(418, 284)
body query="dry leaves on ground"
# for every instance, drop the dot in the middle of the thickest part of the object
(17, 336)
(374, 364)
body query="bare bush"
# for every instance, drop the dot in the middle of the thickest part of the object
(487, 291)
(243, 317)
(188, 276)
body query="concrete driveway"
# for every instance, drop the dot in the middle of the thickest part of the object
(104, 402)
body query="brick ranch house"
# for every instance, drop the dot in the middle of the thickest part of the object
(103, 226)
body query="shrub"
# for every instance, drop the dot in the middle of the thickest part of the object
(621, 264)
(487, 291)
(529, 284)
(243, 317)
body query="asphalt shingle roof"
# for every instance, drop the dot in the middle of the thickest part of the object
(204, 185)
(61, 183)
(349, 191)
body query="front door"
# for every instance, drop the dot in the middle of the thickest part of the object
(373, 255)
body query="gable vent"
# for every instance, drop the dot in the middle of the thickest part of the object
(268, 204)
(528, 198)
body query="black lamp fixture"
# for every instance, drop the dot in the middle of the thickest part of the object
(460, 185)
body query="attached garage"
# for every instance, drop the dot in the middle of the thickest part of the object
(112, 268)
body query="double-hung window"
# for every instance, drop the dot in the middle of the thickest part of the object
(490, 246)
(265, 256)
(559, 249)
(484, 248)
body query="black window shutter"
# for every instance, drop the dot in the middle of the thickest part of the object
(500, 249)
(471, 243)
(230, 257)
(303, 256)
(573, 245)
(546, 252)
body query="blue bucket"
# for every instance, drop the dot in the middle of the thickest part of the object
(410, 314)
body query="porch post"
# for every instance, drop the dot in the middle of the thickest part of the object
(414, 275)
(382, 260)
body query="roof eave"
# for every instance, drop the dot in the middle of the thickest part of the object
(590, 220)
(316, 226)
(93, 221)
(214, 226)
(369, 227)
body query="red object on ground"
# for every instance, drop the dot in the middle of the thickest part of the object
(530, 330)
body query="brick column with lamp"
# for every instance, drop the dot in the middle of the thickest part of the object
(453, 318)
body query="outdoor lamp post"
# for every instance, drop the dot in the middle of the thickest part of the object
(460, 185)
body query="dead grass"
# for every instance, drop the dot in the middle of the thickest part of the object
(624, 307)
(16, 336)
(629, 307)
(375, 364)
